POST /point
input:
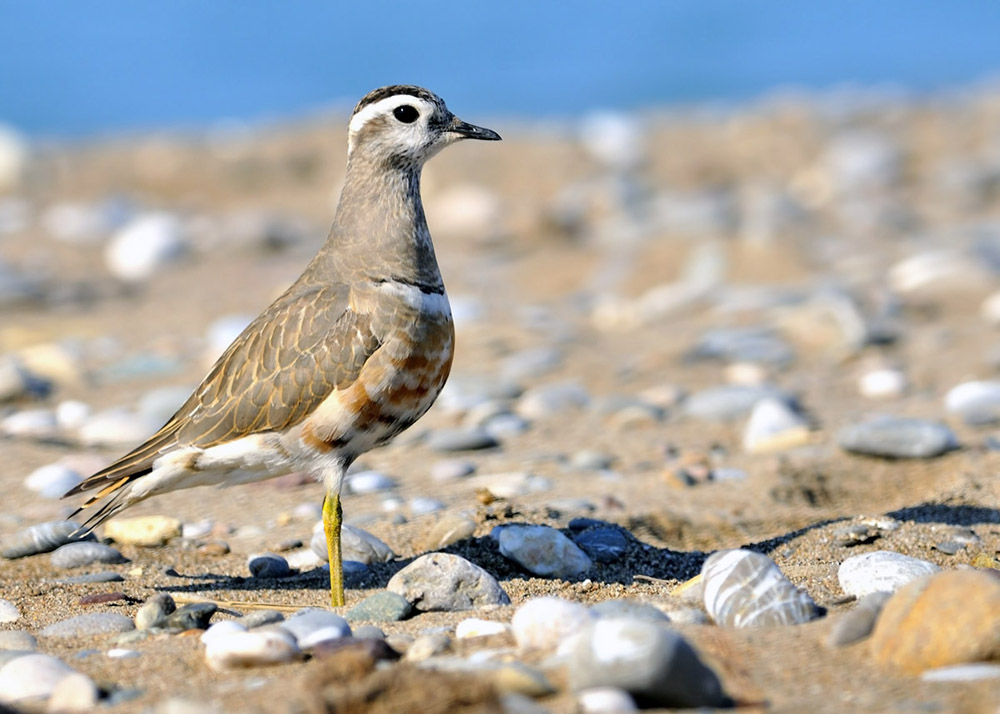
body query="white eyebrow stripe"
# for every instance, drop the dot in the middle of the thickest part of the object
(383, 106)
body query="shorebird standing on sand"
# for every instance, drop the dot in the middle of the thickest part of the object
(353, 353)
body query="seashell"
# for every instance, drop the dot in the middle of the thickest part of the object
(42, 538)
(747, 589)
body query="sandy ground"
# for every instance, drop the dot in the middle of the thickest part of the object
(788, 506)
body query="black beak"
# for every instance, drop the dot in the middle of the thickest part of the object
(471, 131)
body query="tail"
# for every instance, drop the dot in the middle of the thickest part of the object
(115, 493)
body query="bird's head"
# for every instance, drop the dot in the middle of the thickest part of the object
(404, 126)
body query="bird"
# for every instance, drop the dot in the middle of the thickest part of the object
(350, 355)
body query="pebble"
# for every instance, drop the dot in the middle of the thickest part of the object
(550, 400)
(441, 581)
(506, 426)
(421, 506)
(858, 623)
(146, 531)
(948, 618)
(543, 623)
(72, 414)
(268, 565)
(153, 612)
(193, 616)
(355, 544)
(43, 538)
(30, 423)
(260, 618)
(895, 437)
(144, 246)
(651, 662)
(543, 550)
(384, 606)
(605, 700)
(90, 578)
(17, 640)
(75, 692)
(531, 363)
(369, 632)
(52, 480)
(448, 529)
(477, 627)
(962, 673)
(426, 646)
(312, 626)
(882, 384)
(743, 588)
(729, 402)
(369, 482)
(512, 485)
(449, 440)
(94, 623)
(448, 470)
(774, 426)
(880, 571)
(977, 403)
(17, 382)
(117, 428)
(239, 650)
(755, 345)
(629, 609)
(8, 612)
(77, 555)
(605, 544)
(221, 629)
(592, 460)
(33, 676)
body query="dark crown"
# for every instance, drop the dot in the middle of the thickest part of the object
(381, 93)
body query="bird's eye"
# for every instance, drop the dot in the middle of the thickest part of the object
(406, 114)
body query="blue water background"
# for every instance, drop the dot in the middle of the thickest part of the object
(83, 67)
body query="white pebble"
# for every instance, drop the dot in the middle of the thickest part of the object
(236, 650)
(544, 622)
(477, 627)
(8, 612)
(75, 692)
(975, 402)
(116, 427)
(122, 653)
(30, 423)
(71, 414)
(222, 628)
(369, 482)
(33, 676)
(774, 426)
(606, 700)
(880, 571)
(52, 480)
(882, 384)
(144, 246)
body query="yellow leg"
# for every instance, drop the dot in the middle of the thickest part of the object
(332, 517)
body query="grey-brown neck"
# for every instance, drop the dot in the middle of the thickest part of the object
(379, 230)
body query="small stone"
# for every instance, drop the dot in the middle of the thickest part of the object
(545, 622)
(605, 700)
(426, 646)
(116, 428)
(519, 678)
(543, 550)
(729, 402)
(94, 623)
(477, 627)
(145, 246)
(222, 628)
(605, 544)
(977, 403)
(550, 400)
(91, 578)
(52, 480)
(743, 588)
(948, 618)
(77, 555)
(949, 547)
(268, 565)
(384, 606)
(449, 470)
(857, 624)
(449, 529)
(102, 598)
(260, 618)
(855, 534)
(194, 616)
(962, 673)
(421, 506)
(369, 482)
(441, 581)
(880, 571)
(651, 662)
(8, 612)
(369, 632)
(30, 423)
(449, 440)
(531, 363)
(312, 626)
(17, 640)
(629, 609)
(512, 485)
(31, 677)
(214, 548)
(592, 460)
(774, 426)
(153, 612)
(898, 438)
(882, 384)
(75, 692)
(355, 544)
(239, 650)
(147, 531)
(43, 538)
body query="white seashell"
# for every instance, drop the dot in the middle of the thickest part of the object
(881, 571)
(747, 589)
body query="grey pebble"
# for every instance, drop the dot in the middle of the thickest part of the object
(549, 400)
(369, 482)
(153, 612)
(894, 437)
(260, 618)
(949, 547)
(604, 544)
(421, 506)
(450, 440)
(369, 632)
(43, 538)
(77, 555)
(542, 550)
(17, 640)
(505, 426)
(268, 565)
(450, 528)
(448, 470)
(92, 623)
(194, 616)
(858, 623)
(651, 662)
(441, 581)
(384, 606)
(426, 646)
(312, 626)
(760, 345)
(531, 363)
(355, 544)
(856, 534)
(730, 402)
(591, 460)
(628, 609)
(89, 578)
